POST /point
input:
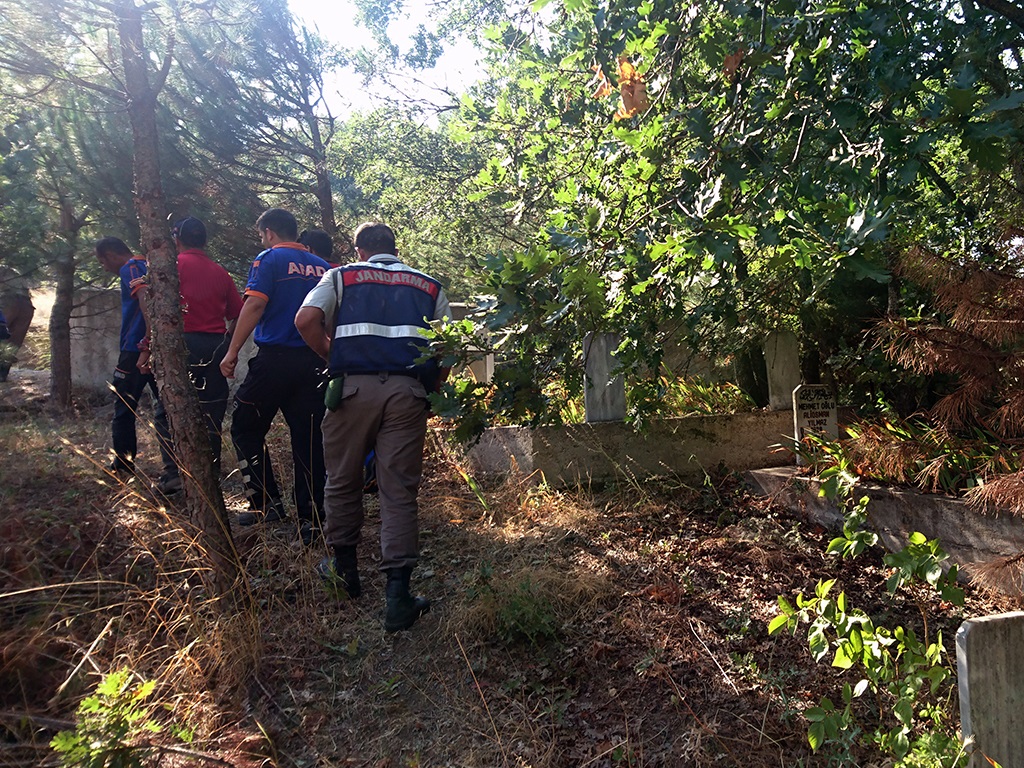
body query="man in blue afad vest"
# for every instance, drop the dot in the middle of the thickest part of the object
(284, 375)
(366, 319)
(129, 380)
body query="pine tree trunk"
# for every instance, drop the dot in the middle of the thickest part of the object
(324, 193)
(204, 501)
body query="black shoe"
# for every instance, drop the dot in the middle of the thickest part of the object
(121, 471)
(311, 533)
(402, 609)
(273, 515)
(346, 579)
(169, 485)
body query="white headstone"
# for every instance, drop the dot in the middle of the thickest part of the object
(95, 337)
(481, 367)
(814, 412)
(604, 394)
(782, 359)
(990, 675)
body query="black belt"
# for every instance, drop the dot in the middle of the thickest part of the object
(410, 374)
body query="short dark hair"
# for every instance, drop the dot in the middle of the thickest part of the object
(375, 238)
(114, 245)
(319, 242)
(190, 231)
(280, 222)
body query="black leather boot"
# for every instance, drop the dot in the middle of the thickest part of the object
(347, 567)
(402, 609)
(342, 570)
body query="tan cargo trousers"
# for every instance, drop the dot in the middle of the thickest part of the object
(386, 413)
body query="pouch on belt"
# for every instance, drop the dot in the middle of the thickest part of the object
(335, 393)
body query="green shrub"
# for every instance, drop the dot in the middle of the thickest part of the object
(113, 727)
(905, 715)
(518, 609)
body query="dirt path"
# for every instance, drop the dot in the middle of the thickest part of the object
(24, 391)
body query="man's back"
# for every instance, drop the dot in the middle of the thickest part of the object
(208, 294)
(283, 275)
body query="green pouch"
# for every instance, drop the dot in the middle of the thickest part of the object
(335, 392)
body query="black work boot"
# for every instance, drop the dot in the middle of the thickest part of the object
(274, 513)
(311, 528)
(342, 570)
(402, 609)
(347, 566)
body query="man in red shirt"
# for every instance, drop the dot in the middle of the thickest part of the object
(210, 305)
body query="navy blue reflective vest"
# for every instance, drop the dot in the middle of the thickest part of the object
(383, 307)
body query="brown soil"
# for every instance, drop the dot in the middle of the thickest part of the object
(625, 627)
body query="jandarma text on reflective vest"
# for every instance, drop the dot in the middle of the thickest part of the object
(384, 277)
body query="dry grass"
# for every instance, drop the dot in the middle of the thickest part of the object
(96, 575)
(623, 628)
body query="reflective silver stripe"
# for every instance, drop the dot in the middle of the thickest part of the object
(376, 329)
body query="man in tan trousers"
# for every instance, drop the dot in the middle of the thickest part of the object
(365, 320)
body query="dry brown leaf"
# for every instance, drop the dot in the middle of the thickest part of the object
(732, 64)
(604, 88)
(632, 89)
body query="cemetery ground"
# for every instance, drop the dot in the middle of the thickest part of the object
(620, 626)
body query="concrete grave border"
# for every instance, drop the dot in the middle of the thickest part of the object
(684, 447)
(970, 537)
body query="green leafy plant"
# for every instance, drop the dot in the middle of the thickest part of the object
(474, 486)
(905, 716)
(114, 726)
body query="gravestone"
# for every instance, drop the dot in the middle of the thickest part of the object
(990, 670)
(814, 412)
(782, 359)
(95, 341)
(481, 367)
(95, 337)
(604, 395)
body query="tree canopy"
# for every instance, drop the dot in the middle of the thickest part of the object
(732, 168)
(701, 174)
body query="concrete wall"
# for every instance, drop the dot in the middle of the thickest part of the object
(596, 453)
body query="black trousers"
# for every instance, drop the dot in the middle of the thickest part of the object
(291, 380)
(129, 383)
(205, 351)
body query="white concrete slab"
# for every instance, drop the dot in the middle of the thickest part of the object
(990, 674)
(604, 395)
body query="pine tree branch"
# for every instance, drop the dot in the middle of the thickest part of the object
(1010, 11)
